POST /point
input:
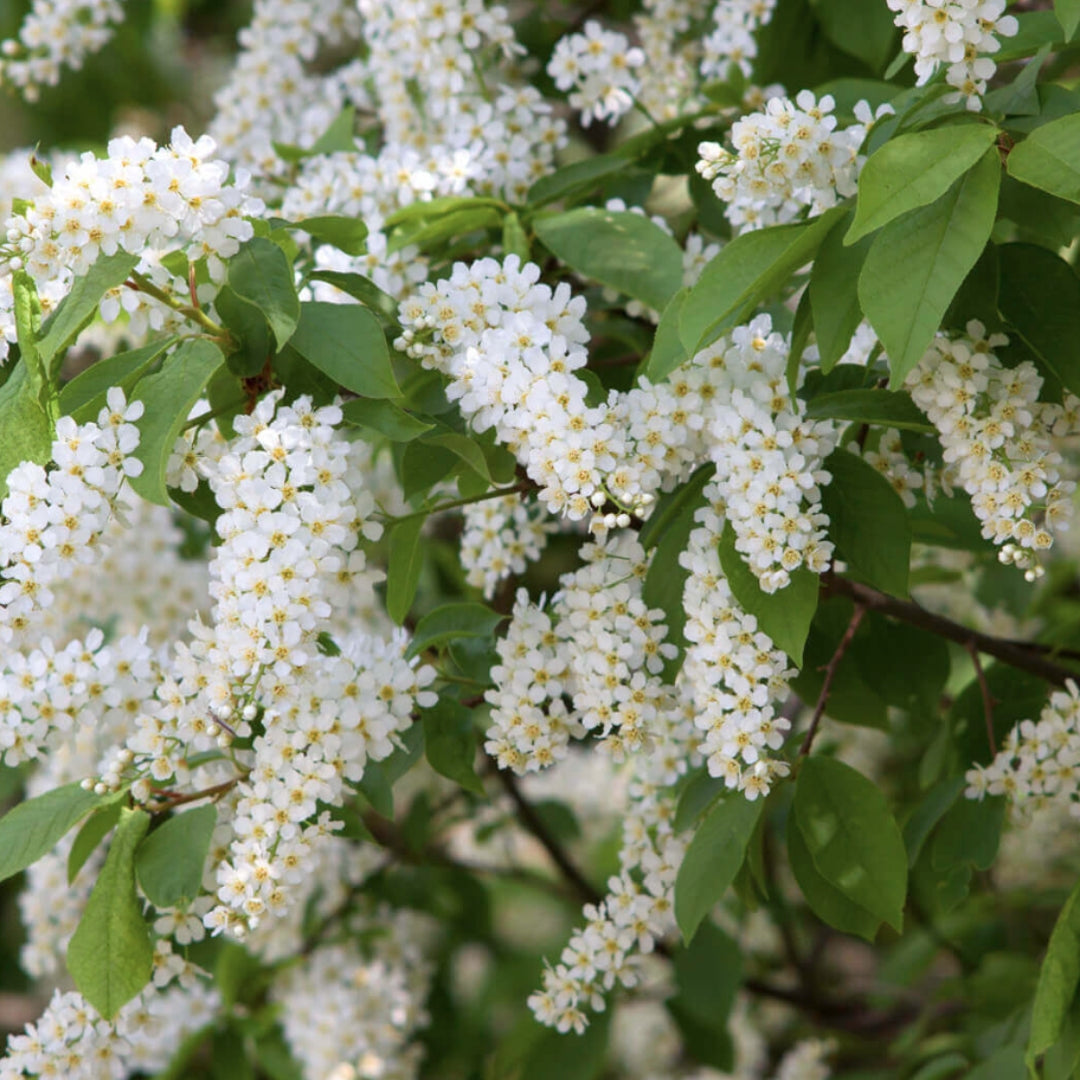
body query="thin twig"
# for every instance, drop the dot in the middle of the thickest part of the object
(1008, 652)
(988, 701)
(174, 800)
(830, 674)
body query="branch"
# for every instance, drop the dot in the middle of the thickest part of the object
(830, 674)
(988, 700)
(1008, 652)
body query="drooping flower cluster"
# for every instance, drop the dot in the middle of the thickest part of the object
(598, 67)
(1039, 763)
(56, 34)
(54, 520)
(1001, 444)
(784, 160)
(956, 34)
(886, 454)
(599, 646)
(732, 41)
(354, 1013)
(501, 537)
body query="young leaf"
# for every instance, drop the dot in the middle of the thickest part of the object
(34, 827)
(403, 569)
(1058, 980)
(748, 271)
(851, 837)
(915, 169)
(261, 274)
(169, 862)
(617, 248)
(867, 522)
(168, 397)
(713, 859)
(110, 955)
(1049, 158)
(784, 615)
(916, 264)
(834, 297)
(346, 342)
(84, 396)
(453, 621)
(1040, 300)
(450, 743)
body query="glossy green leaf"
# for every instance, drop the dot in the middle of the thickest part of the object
(261, 274)
(1058, 980)
(347, 343)
(713, 859)
(1049, 158)
(453, 621)
(784, 615)
(110, 955)
(34, 827)
(913, 170)
(867, 522)
(916, 264)
(84, 396)
(168, 397)
(169, 863)
(852, 837)
(618, 248)
(403, 570)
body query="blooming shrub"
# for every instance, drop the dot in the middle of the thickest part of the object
(535, 542)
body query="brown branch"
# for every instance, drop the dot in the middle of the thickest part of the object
(830, 674)
(533, 823)
(988, 700)
(1008, 652)
(173, 799)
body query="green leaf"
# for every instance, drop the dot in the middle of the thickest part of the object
(34, 827)
(248, 325)
(363, 289)
(80, 306)
(403, 569)
(713, 859)
(916, 264)
(867, 522)
(1068, 14)
(385, 418)
(450, 743)
(453, 621)
(110, 955)
(97, 826)
(746, 272)
(915, 169)
(261, 274)
(26, 428)
(826, 901)
(84, 396)
(552, 1056)
(833, 292)
(862, 30)
(969, 834)
(515, 240)
(169, 396)
(672, 507)
(667, 352)
(1040, 300)
(882, 408)
(933, 807)
(1058, 980)
(479, 215)
(1049, 158)
(169, 862)
(575, 179)
(784, 615)
(618, 248)
(346, 342)
(851, 837)
(347, 234)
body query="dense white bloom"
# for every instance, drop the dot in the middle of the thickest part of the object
(732, 41)
(598, 66)
(955, 34)
(500, 538)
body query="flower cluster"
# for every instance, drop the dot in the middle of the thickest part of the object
(731, 41)
(1039, 764)
(56, 34)
(598, 67)
(955, 34)
(347, 1013)
(785, 159)
(886, 454)
(53, 520)
(599, 647)
(500, 538)
(1000, 442)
